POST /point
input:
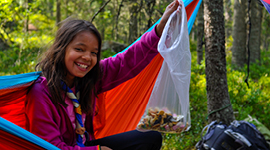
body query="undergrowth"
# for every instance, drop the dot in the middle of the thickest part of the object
(253, 100)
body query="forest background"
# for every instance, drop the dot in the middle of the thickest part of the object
(28, 27)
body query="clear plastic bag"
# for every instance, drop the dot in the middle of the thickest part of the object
(168, 106)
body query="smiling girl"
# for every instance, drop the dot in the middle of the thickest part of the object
(60, 105)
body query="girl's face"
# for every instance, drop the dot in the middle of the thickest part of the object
(81, 55)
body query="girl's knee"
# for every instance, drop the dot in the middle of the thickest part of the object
(155, 136)
(156, 140)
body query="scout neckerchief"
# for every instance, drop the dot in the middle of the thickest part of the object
(80, 130)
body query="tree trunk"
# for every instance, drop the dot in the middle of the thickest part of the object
(228, 18)
(50, 4)
(255, 34)
(239, 34)
(133, 22)
(150, 4)
(26, 21)
(200, 34)
(219, 105)
(117, 18)
(66, 5)
(133, 27)
(58, 11)
(266, 30)
(3, 44)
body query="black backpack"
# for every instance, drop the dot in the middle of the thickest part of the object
(240, 135)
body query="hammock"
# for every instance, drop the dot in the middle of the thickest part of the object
(266, 4)
(122, 114)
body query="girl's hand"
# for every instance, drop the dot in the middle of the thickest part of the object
(105, 148)
(169, 10)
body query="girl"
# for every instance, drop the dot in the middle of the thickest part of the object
(60, 105)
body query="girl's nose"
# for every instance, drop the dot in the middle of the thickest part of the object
(87, 56)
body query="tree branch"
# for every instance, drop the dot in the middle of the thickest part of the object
(101, 8)
(117, 17)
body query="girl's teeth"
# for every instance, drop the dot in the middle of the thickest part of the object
(83, 66)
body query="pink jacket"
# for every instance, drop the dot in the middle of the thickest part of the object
(53, 124)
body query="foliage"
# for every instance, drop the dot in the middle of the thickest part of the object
(107, 53)
(265, 30)
(198, 109)
(253, 100)
(16, 60)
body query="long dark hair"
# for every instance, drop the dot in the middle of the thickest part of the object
(54, 69)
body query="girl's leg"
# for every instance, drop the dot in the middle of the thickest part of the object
(132, 140)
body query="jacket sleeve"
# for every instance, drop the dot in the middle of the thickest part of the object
(43, 120)
(130, 63)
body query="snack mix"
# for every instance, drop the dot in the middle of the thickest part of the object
(162, 120)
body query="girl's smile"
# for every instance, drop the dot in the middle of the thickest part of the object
(81, 55)
(82, 65)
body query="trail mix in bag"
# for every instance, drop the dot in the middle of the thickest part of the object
(168, 106)
(162, 120)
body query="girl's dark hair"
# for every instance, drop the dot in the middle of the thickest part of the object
(54, 69)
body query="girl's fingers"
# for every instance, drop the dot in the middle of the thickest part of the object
(169, 10)
(173, 5)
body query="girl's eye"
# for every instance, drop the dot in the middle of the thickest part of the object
(78, 49)
(94, 53)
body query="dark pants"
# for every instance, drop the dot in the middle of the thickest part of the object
(132, 140)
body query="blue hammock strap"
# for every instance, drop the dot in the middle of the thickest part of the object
(80, 130)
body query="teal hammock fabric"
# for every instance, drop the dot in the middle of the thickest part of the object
(24, 134)
(190, 22)
(266, 4)
(14, 80)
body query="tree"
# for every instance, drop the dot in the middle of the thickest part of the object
(26, 20)
(200, 34)
(117, 18)
(239, 34)
(50, 8)
(58, 11)
(219, 105)
(150, 10)
(265, 30)
(255, 34)
(133, 22)
(6, 23)
(228, 18)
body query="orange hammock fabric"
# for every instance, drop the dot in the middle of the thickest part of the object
(12, 107)
(127, 100)
(12, 142)
(119, 109)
